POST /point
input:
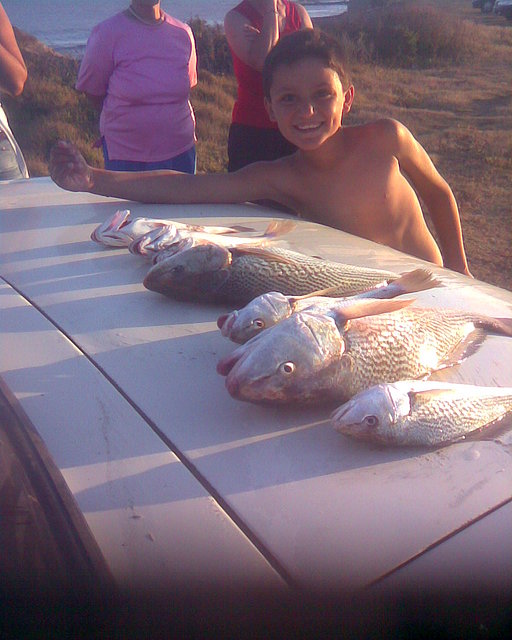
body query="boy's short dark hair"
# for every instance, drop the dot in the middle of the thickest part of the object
(306, 43)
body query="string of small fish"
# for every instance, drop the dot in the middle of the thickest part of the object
(313, 330)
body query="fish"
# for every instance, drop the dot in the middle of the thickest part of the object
(173, 240)
(422, 413)
(311, 357)
(120, 230)
(212, 273)
(270, 308)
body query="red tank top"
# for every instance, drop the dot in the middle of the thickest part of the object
(249, 108)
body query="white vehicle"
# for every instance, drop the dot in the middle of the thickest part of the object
(164, 494)
(503, 8)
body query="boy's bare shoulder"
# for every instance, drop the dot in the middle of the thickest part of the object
(385, 133)
(387, 127)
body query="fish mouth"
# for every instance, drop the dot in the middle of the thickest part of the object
(236, 383)
(348, 425)
(226, 364)
(233, 387)
(107, 230)
(338, 414)
(225, 323)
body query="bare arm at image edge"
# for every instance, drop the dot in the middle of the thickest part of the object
(13, 72)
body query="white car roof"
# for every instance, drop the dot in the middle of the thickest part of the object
(181, 484)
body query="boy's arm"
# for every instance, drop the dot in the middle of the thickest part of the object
(437, 196)
(70, 171)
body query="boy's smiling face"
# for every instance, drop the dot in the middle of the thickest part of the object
(307, 100)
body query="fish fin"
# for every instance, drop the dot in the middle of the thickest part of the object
(320, 292)
(260, 252)
(466, 348)
(239, 228)
(496, 325)
(279, 228)
(367, 307)
(426, 395)
(493, 429)
(417, 280)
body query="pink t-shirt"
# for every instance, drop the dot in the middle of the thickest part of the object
(146, 73)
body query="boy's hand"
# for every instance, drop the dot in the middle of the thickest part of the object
(69, 169)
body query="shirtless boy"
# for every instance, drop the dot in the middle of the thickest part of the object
(351, 178)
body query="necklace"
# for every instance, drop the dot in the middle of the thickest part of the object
(151, 23)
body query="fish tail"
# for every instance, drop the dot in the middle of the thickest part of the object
(413, 281)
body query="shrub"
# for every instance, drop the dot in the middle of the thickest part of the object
(404, 36)
(212, 47)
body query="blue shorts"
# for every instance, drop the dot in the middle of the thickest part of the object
(185, 162)
(9, 168)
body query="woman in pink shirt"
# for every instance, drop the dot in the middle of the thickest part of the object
(138, 69)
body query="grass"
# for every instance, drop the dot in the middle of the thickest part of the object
(447, 76)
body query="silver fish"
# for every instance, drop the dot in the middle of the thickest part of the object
(311, 356)
(173, 240)
(120, 230)
(422, 413)
(270, 308)
(212, 273)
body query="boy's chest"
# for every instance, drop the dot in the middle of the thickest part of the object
(349, 194)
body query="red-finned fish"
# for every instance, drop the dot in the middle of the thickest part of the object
(311, 356)
(161, 243)
(120, 230)
(270, 308)
(209, 272)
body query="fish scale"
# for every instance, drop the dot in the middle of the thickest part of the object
(210, 272)
(455, 416)
(251, 276)
(312, 356)
(420, 332)
(423, 413)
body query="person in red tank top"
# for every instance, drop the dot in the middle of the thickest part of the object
(252, 29)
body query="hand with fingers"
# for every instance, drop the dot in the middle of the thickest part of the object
(68, 167)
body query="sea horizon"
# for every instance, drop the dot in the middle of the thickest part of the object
(65, 27)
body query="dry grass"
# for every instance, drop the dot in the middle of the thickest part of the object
(212, 100)
(462, 115)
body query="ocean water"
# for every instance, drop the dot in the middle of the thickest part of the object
(65, 25)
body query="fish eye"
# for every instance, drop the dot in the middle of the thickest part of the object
(258, 323)
(287, 367)
(371, 421)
